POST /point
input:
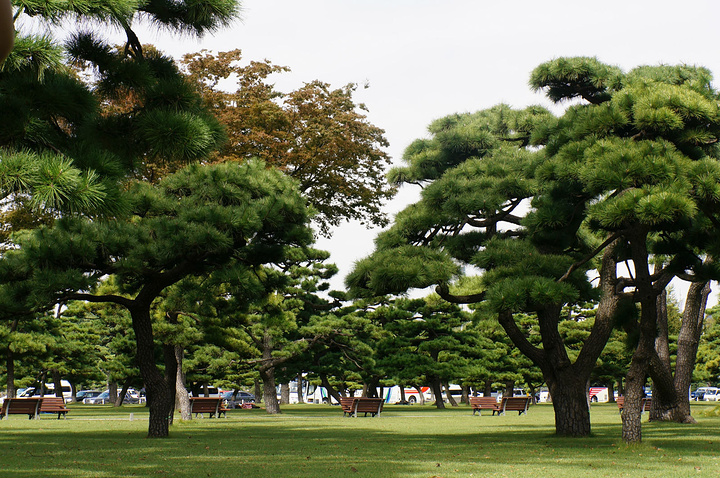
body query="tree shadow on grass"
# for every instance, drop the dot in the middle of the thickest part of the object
(325, 444)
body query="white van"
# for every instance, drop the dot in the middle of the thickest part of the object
(50, 390)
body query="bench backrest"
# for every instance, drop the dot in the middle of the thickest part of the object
(205, 404)
(31, 406)
(483, 401)
(52, 404)
(347, 403)
(364, 405)
(515, 403)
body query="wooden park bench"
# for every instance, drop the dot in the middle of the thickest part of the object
(54, 405)
(346, 404)
(514, 404)
(210, 405)
(479, 404)
(351, 406)
(21, 406)
(646, 404)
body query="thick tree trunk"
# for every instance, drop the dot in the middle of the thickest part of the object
(158, 393)
(258, 390)
(182, 397)
(570, 402)
(267, 375)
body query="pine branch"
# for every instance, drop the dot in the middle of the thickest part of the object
(444, 292)
(587, 258)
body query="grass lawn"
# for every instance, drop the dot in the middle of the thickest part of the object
(317, 441)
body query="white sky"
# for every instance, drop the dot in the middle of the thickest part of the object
(426, 59)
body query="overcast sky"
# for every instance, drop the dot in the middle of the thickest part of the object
(426, 59)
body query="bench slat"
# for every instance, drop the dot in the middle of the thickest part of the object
(21, 406)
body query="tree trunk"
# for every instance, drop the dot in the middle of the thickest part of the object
(300, 387)
(267, 375)
(182, 397)
(330, 389)
(121, 396)
(436, 388)
(465, 394)
(509, 388)
(402, 394)
(647, 296)
(570, 401)
(421, 395)
(611, 391)
(284, 393)
(158, 392)
(258, 390)
(665, 404)
(487, 392)
(112, 391)
(567, 381)
(57, 380)
(688, 341)
(448, 395)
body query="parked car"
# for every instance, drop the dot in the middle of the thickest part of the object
(712, 394)
(238, 400)
(83, 394)
(49, 390)
(699, 394)
(104, 397)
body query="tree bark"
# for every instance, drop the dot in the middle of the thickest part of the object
(487, 392)
(284, 393)
(112, 391)
(267, 375)
(646, 295)
(451, 400)
(688, 341)
(421, 395)
(674, 405)
(570, 402)
(121, 396)
(436, 387)
(57, 380)
(158, 392)
(330, 389)
(300, 387)
(182, 397)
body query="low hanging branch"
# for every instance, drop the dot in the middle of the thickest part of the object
(444, 291)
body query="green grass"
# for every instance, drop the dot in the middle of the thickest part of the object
(317, 441)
